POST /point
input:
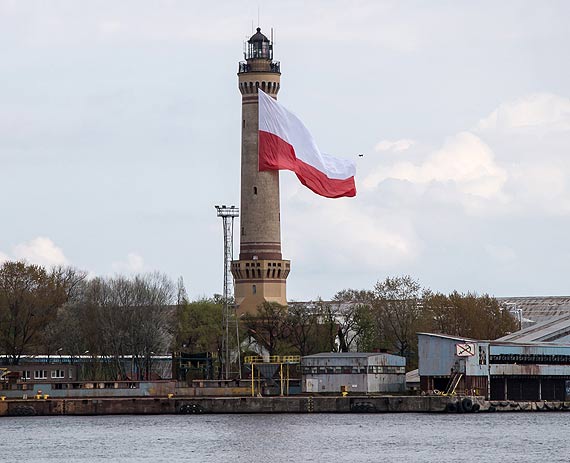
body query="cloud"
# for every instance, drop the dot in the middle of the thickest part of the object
(134, 263)
(464, 160)
(539, 111)
(531, 136)
(397, 145)
(337, 233)
(40, 251)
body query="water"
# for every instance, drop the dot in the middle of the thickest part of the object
(513, 437)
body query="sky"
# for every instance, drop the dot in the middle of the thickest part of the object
(120, 131)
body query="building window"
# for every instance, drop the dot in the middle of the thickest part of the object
(57, 374)
(40, 374)
(254, 289)
(70, 373)
(255, 190)
(26, 374)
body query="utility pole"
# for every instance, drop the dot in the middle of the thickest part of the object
(228, 214)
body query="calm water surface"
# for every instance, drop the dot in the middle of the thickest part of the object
(515, 437)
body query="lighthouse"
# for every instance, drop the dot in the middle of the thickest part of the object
(260, 273)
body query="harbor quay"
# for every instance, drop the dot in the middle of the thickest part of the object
(268, 405)
(229, 405)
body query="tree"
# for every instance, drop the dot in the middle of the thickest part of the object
(199, 326)
(302, 328)
(29, 299)
(354, 317)
(125, 317)
(398, 306)
(468, 315)
(268, 325)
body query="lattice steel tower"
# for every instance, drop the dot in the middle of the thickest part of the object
(228, 214)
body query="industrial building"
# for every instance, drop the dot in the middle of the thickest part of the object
(498, 370)
(353, 372)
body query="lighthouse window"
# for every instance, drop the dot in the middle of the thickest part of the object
(254, 289)
(254, 190)
(243, 122)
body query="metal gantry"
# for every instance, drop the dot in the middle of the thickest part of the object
(258, 363)
(228, 214)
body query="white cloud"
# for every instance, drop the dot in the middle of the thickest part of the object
(40, 251)
(532, 135)
(397, 145)
(541, 186)
(3, 257)
(134, 263)
(337, 233)
(464, 160)
(541, 110)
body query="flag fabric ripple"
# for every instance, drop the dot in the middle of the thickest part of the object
(285, 143)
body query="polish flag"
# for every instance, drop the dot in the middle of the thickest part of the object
(285, 143)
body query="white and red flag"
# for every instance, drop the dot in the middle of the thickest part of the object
(285, 143)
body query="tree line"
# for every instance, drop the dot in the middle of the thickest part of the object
(60, 311)
(386, 318)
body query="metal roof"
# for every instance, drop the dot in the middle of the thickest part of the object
(548, 331)
(345, 355)
(258, 37)
(447, 336)
(539, 308)
(500, 341)
(413, 376)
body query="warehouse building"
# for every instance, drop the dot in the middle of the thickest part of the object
(353, 372)
(498, 370)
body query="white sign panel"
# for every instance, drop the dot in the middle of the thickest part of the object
(465, 350)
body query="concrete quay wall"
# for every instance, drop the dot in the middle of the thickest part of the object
(223, 405)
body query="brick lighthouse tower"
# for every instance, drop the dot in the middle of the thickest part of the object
(260, 273)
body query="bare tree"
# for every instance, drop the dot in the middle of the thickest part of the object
(131, 317)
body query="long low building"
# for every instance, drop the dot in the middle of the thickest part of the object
(353, 372)
(498, 370)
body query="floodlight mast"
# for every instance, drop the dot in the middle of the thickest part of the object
(228, 214)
